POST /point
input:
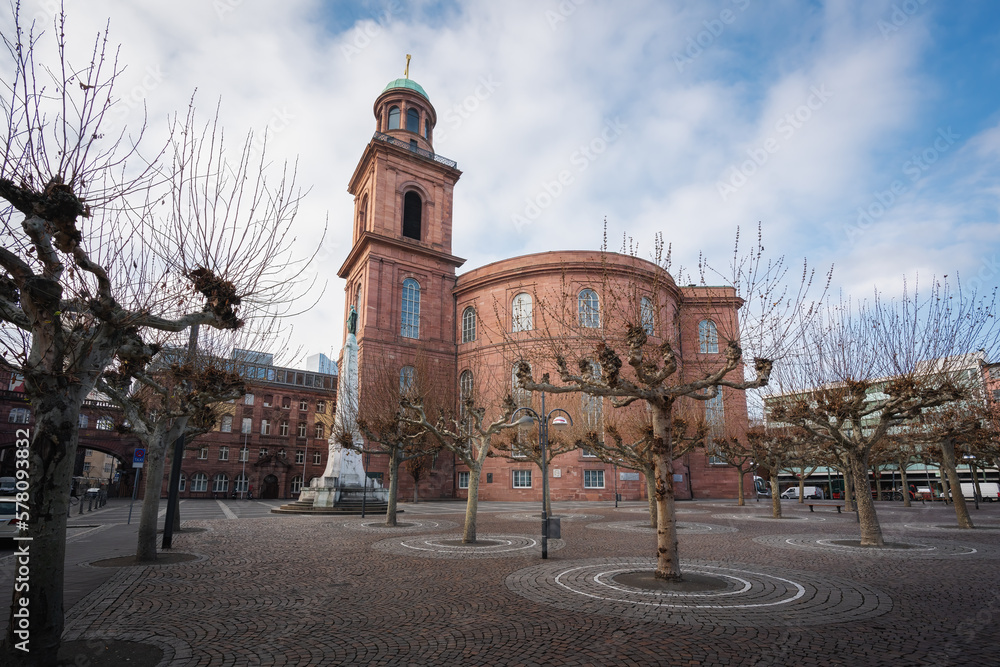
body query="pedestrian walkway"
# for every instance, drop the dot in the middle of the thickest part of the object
(319, 590)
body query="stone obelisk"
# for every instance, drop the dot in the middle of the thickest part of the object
(345, 473)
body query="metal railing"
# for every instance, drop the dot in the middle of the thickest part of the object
(423, 152)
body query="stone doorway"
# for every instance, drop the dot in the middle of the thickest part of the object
(270, 488)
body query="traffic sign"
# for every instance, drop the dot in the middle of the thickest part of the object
(138, 458)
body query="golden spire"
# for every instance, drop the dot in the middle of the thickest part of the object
(406, 72)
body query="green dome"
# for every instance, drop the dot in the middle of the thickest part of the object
(407, 83)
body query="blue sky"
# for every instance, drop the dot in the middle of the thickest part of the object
(860, 133)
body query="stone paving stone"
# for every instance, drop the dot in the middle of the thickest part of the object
(297, 591)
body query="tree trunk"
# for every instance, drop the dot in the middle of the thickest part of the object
(775, 498)
(957, 497)
(668, 566)
(848, 490)
(416, 496)
(52, 444)
(802, 487)
(390, 511)
(945, 487)
(471, 506)
(906, 486)
(146, 548)
(650, 475)
(871, 531)
(739, 488)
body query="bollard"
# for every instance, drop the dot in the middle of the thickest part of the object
(81, 506)
(90, 502)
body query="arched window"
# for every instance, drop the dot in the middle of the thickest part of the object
(362, 214)
(708, 337)
(182, 482)
(592, 407)
(412, 120)
(406, 379)
(105, 424)
(715, 420)
(646, 314)
(521, 313)
(221, 483)
(590, 309)
(411, 309)
(199, 482)
(393, 118)
(469, 325)
(465, 385)
(521, 396)
(411, 215)
(427, 128)
(241, 483)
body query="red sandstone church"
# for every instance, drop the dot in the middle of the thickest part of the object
(468, 330)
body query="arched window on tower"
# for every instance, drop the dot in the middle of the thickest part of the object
(521, 313)
(469, 325)
(465, 385)
(362, 214)
(708, 337)
(411, 215)
(592, 407)
(427, 128)
(412, 120)
(411, 309)
(590, 309)
(394, 118)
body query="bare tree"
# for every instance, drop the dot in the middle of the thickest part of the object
(652, 374)
(92, 262)
(737, 453)
(870, 366)
(774, 449)
(382, 421)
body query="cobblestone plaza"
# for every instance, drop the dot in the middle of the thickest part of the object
(309, 590)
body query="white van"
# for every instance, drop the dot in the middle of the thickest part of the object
(809, 492)
(990, 491)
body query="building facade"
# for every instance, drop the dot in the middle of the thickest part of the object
(464, 332)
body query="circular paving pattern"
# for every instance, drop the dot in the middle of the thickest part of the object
(408, 526)
(683, 527)
(764, 517)
(849, 544)
(528, 516)
(450, 546)
(739, 595)
(924, 526)
(645, 510)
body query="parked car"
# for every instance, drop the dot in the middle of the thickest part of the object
(8, 523)
(808, 492)
(990, 491)
(8, 485)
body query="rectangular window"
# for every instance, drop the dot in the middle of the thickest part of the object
(89, 452)
(489, 478)
(84, 421)
(463, 480)
(283, 428)
(317, 458)
(320, 431)
(19, 416)
(226, 426)
(248, 399)
(244, 454)
(303, 405)
(321, 407)
(203, 453)
(107, 467)
(223, 453)
(587, 454)
(265, 427)
(300, 456)
(302, 429)
(86, 466)
(593, 479)
(268, 399)
(199, 483)
(247, 425)
(522, 479)
(263, 451)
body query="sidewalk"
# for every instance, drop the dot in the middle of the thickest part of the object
(300, 590)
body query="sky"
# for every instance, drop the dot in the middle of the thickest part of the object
(862, 134)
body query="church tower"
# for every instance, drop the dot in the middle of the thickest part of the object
(400, 272)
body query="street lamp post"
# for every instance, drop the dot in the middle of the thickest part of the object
(245, 454)
(543, 440)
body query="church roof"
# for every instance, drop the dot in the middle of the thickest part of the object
(407, 83)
